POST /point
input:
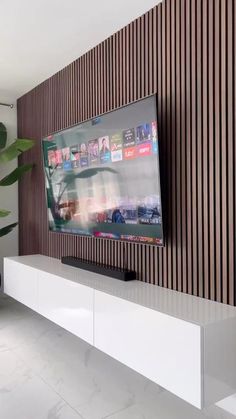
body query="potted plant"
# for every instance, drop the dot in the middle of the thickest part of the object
(7, 154)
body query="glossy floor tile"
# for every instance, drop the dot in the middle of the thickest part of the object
(47, 373)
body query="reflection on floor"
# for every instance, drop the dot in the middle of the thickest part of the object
(47, 373)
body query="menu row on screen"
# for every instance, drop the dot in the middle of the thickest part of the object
(125, 145)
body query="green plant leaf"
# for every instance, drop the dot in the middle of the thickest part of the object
(7, 229)
(4, 213)
(15, 175)
(15, 149)
(3, 135)
(87, 173)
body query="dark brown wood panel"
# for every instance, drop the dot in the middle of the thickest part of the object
(183, 50)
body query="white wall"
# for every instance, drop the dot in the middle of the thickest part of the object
(9, 194)
(55, 27)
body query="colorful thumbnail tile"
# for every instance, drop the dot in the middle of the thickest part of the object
(66, 158)
(154, 137)
(104, 149)
(93, 151)
(116, 147)
(129, 137)
(143, 133)
(129, 153)
(83, 150)
(51, 158)
(74, 156)
(66, 154)
(144, 149)
(58, 156)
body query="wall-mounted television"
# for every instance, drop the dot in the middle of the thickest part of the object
(103, 177)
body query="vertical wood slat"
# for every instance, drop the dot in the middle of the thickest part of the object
(230, 148)
(182, 161)
(163, 135)
(234, 135)
(193, 37)
(205, 111)
(175, 266)
(178, 145)
(169, 139)
(185, 52)
(158, 84)
(217, 167)
(210, 115)
(224, 191)
(200, 244)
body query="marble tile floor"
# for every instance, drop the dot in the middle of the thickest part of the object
(47, 373)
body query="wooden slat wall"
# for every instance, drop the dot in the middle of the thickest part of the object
(183, 50)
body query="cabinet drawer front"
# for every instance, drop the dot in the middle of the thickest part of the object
(20, 282)
(68, 304)
(164, 349)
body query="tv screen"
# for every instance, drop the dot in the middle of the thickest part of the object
(103, 178)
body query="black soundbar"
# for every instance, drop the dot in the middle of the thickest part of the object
(118, 273)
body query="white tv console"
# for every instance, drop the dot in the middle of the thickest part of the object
(183, 343)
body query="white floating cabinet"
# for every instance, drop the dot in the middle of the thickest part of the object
(164, 349)
(183, 343)
(66, 303)
(20, 282)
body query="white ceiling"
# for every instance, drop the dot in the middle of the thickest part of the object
(38, 38)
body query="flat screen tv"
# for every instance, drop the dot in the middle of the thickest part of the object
(103, 177)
